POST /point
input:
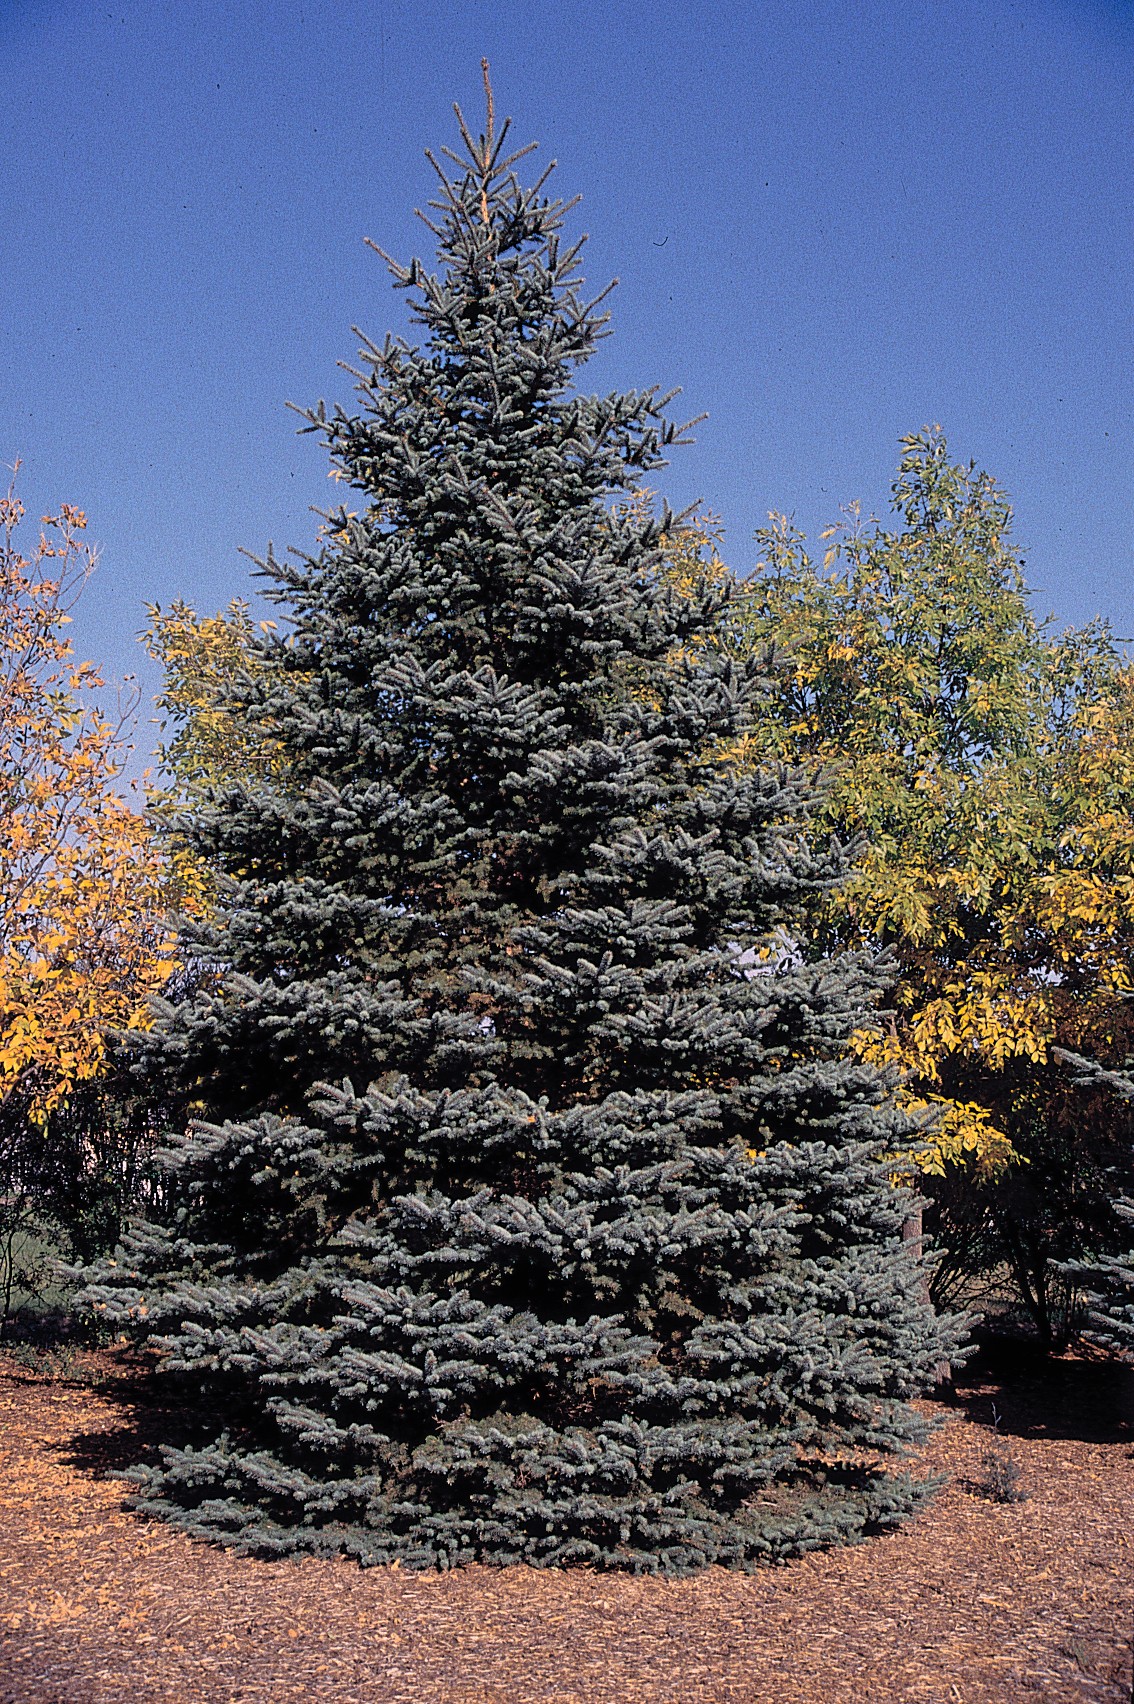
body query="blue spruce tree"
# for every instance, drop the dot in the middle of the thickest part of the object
(1104, 1279)
(524, 1221)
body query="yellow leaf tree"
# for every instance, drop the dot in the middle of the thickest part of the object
(205, 745)
(81, 880)
(984, 762)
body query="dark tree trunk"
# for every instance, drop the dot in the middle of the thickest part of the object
(913, 1231)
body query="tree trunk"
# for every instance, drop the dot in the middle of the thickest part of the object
(913, 1231)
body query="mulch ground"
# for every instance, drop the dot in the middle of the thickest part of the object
(975, 1602)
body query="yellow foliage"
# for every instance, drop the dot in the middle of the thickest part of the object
(962, 1134)
(203, 657)
(207, 744)
(989, 766)
(80, 877)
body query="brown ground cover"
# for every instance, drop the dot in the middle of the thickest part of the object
(975, 1602)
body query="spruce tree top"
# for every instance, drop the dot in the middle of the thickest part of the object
(486, 676)
(487, 476)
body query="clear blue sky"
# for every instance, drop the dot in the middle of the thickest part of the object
(833, 223)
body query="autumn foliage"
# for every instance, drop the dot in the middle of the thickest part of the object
(81, 947)
(203, 657)
(983, 762)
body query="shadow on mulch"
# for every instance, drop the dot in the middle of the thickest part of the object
(153, 1411)
(1011, 1385)
(1082, 1396)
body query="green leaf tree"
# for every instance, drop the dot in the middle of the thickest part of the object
(532, 1218)
(983, 761)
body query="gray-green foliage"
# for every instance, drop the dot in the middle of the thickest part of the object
(525, 1222)
(1106, 1281)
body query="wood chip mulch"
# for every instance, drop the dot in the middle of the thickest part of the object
(975, 1602)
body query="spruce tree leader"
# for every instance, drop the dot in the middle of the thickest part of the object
(523, 1222)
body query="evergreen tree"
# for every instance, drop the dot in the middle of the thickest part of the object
(1106, 1281)
(531, 1217)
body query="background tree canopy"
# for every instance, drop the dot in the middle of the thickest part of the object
(983, 762)
(82, 939)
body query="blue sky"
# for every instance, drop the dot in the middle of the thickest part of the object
(833, 223)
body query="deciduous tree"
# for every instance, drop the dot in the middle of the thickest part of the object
(82, 945)
(984, 761)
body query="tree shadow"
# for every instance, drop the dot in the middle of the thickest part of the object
(1010, 1384)
(151, 1413)
(1078, 1395)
